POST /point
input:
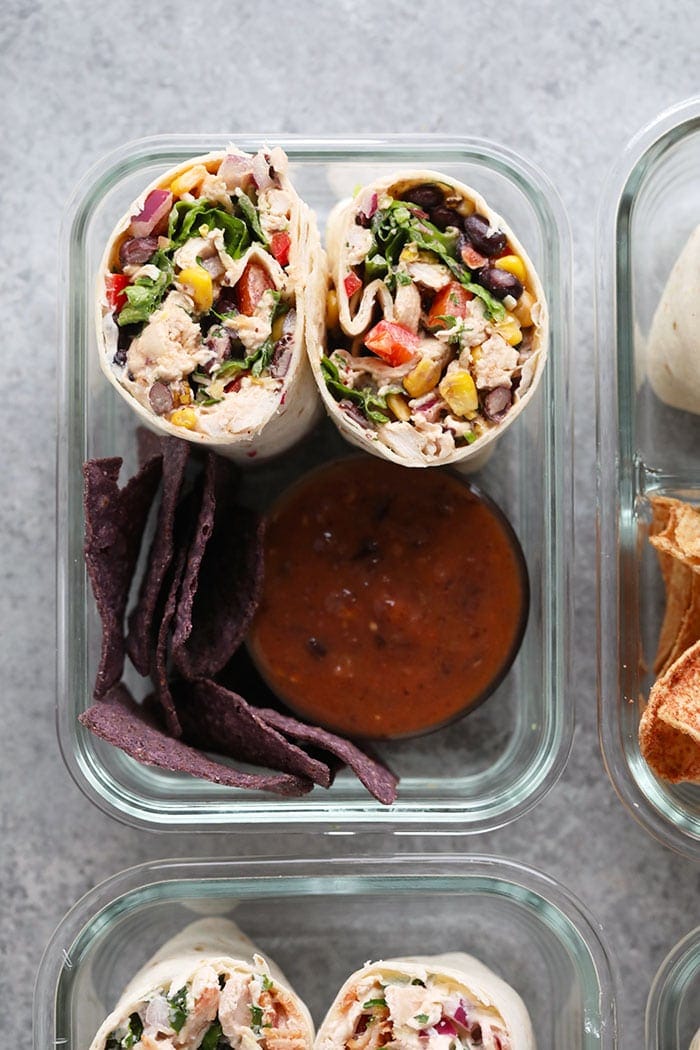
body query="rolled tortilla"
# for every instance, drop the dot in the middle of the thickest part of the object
(695, 1044)
(432, 355)
(206, 341)
(416, 1002)
(207, 987)
(673, 349)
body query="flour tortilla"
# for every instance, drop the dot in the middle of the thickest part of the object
(673, 349)
(460, 973)
(214, 942)
(295, 409)
(341, 219)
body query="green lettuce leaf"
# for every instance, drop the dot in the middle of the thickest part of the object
(372, 406)
(146, 293)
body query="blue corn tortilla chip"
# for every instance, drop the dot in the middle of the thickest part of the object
(122, 722)
(222, 583)
(215, 719)
(114, 523)
(140, 639)
(376, 777)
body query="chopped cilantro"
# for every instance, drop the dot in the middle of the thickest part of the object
(267, 982)
(211, 1039)
(256, 1018)
(373, 1002)
(178, 1008)
(421, 1018)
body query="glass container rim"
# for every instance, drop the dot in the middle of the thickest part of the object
(683, 956)
(526, 882)
(614, 473)
(550, 757)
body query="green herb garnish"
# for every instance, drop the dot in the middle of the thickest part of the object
(373, 1002)
(250, 214)
(146, 293)
(421, 1018)
(267, 982)
(256, 1018)
(211, 1039)
(187, 217)
(372, 405)
(178, 1008)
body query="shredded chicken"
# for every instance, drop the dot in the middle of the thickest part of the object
(170, 345)
(494, 363)
(407, 306)
(430, 275)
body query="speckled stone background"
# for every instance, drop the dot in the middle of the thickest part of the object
(564, 84)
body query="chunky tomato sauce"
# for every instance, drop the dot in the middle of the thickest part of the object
(394, 599)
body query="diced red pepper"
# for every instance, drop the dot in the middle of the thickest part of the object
(115, 283)
(352, 284)
(392, 342)
(450, 301)
(279, 246)
(253, 282)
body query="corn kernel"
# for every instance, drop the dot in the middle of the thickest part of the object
(198, 283)
(332, 315)
(183, 417)
(187, 181)
(513, 264)
(459, 392)
(399, 406)
(423, 378)
(523, 310)
(509, 329)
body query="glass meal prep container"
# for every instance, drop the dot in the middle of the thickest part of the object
(651, 205)
(322, 919)
(475, 775)
(673, 1007)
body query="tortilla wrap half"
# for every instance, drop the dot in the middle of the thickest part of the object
(209, 975)
(673, 349)
(416, 1001)
(207, 341)
(466, 364)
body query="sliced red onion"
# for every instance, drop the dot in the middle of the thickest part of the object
(261, 171)
(365, 213)
(213, 265)
(154, 215)
(460, 1016)
(445, 1026)
(497, 402)
(279, 366)
(235, 171)
(158, 1015)
(137, 250)
(352, 410)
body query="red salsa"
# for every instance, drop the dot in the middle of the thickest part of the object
(394, 599)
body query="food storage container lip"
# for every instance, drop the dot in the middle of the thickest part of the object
(623, 180)
(438, 872)
(516, 547)
(681, 963)
(454, 814)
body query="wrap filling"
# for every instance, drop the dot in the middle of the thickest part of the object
(215, 1011)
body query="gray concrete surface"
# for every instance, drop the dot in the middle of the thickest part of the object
(563, 84)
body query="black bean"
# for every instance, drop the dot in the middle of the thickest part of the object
(120, 357)
(499, 282)
(226, 300)
(442, 217)
(485, 239)
(426, 196)
(315, 647)
(161, 398)
(137, 250)
(475, 1033)
(497, 402)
